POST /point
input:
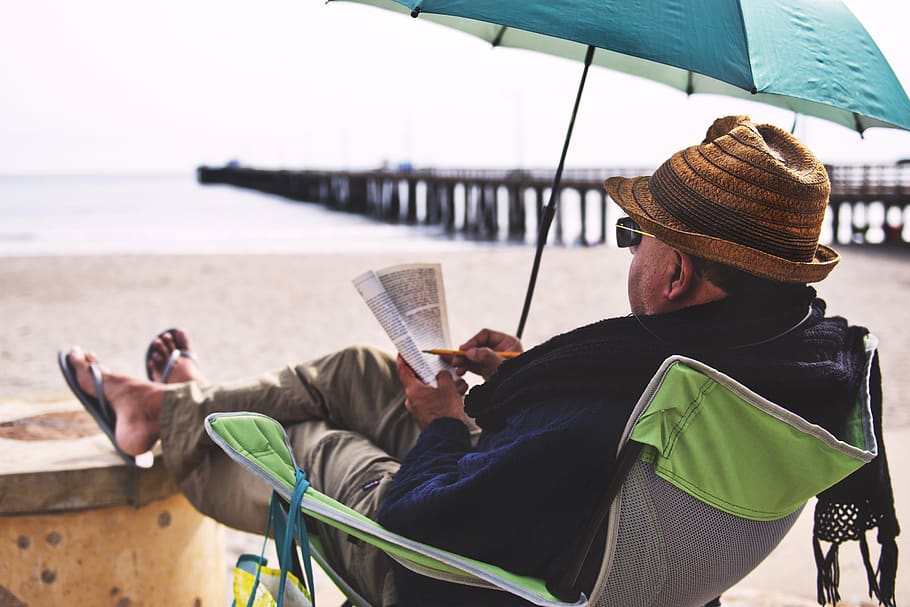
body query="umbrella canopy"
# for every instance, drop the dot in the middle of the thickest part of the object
(809, 56)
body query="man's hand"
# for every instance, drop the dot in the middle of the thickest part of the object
(480, 350)
(426, 403)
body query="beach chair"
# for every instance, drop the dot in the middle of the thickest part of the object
(710, 477)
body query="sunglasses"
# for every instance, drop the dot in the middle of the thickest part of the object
(629, 233)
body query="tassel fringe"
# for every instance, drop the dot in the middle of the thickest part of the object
(828, 573)
(867, 563)
(881, 579)
(887, 572)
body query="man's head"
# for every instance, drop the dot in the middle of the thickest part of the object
(748, 202)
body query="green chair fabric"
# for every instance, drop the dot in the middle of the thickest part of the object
(698, 417)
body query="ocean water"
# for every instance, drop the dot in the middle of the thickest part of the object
(164, 214)
(172, 213)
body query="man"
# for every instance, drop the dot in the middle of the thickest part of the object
(724, 238)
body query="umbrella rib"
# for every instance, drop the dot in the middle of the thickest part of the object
(858, 125)
(498, 38)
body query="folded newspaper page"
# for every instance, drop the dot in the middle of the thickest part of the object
(409, 302)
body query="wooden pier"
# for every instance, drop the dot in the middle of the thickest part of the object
(868, 205)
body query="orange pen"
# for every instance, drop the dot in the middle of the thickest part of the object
(444, 352)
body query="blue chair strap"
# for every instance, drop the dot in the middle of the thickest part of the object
(289, 529)
(296, 529)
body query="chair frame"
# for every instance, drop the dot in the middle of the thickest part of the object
(247, 436)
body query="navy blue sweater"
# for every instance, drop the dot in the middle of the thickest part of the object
(552, 418)
(507, 500)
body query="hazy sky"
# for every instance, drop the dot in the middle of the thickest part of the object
(117, 85)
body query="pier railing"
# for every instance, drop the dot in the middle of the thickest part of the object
(868, 204)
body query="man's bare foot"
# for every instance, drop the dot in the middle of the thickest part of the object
(136, 403)
(164, 366)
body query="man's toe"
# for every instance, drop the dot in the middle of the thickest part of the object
(181, 340)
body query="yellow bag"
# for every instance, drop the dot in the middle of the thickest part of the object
(256, 585)
(245, 571)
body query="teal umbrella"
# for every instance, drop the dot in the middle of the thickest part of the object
(809, 56)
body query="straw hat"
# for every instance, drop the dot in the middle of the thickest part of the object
(750, 196)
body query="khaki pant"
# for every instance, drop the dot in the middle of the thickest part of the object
(348, 429)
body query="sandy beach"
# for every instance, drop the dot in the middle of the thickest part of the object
(251, 313)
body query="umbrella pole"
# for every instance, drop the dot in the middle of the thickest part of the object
(550, 210)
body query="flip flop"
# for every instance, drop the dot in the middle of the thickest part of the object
(98, 407)
(172, 359)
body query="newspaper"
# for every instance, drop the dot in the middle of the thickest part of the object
(409, 302)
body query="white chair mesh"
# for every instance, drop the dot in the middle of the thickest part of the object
(686, 557)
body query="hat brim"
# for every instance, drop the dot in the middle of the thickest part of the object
(633, 195)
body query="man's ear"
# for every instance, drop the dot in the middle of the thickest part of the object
(683, 278)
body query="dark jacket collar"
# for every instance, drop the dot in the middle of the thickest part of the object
(735, 322)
